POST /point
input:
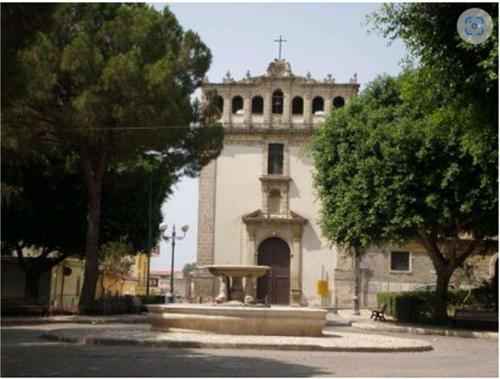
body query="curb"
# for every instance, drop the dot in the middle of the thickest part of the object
(212, 345)
(426, 331)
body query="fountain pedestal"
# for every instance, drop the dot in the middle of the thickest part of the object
(231, 281)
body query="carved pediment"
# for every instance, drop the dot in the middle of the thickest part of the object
(279, 69)
(257, 221)
(258, 216)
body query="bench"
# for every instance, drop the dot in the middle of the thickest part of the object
(475, 316)
(378, 314)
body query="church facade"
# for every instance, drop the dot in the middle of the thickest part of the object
(257, 203)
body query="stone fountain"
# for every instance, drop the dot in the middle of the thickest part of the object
(231, 279)
(235, 311)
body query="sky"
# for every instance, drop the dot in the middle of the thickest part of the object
(321, 39)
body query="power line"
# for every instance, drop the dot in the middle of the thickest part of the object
(233, 126)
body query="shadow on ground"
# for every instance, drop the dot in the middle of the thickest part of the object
(24, 353)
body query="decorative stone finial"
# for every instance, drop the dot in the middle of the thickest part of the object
(354, 78)
(247, 75)
(329, 79)
(308, 75)
(227, 78)
(205, 79)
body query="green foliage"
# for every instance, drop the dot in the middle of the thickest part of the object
(391, 173)
(383, 172)
(462, 76)
(415, 306)
(392, 166)
(419, 306)
(152, 299)
(104, 84)
(105, 71)
(20, 24)
(45, 208)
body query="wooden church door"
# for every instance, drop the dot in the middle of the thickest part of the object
(275, 253)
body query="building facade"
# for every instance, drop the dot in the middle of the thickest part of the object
(257, 203)
(159, 284)
(60, 287)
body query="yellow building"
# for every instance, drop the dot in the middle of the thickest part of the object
(133, 284)
(60, 287)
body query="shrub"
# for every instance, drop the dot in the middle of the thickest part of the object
(418, 306)
(152, 299)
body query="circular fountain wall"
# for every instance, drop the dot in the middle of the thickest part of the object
(253, 320)
(236, 312)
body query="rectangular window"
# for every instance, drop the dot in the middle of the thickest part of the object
(275, 158)
(153, 282)
(400, 261)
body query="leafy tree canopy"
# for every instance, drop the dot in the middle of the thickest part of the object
(105, 84)
(20, 24)
(390, 168)
(458, 73)
(384, 173)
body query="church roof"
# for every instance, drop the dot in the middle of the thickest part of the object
(280, 69)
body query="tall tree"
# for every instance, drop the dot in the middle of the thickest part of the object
(43, 208)
(389, 171)
(458, 72)
(106, 83)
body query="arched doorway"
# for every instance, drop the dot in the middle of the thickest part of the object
(275, 253)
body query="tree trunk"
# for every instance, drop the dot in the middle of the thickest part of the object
(91, 248)
(442, 282)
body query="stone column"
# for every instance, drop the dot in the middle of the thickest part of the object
(267, 107)
(204, 281)
(308, 108)
(250, 255)
(328, 103)
(287, 111)
(247, 109)
(265, 197)
(295, 282)
(226, 112)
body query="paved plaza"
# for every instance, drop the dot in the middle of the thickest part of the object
(24, 353)
(121, 334)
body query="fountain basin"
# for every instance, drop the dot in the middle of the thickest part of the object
(244, 320)
(237, 271)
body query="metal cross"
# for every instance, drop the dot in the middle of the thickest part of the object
(280, 41)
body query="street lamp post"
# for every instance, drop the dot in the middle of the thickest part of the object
(170, 298)
(149, 236)
(356, 286)
(355, 298)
